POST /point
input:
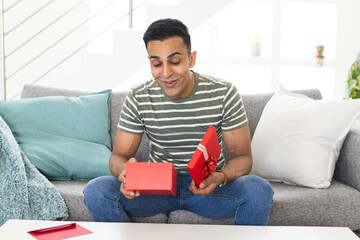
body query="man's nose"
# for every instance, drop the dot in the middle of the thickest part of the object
(167, 71)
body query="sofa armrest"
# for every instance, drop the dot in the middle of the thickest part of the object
(347, 168)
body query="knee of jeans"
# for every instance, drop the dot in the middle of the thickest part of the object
(100, 187)
(257, 188)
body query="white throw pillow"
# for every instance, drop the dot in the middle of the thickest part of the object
(298, 139)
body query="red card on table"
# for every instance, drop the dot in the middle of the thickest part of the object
(151, 178)
(59, 232)
(208, 148)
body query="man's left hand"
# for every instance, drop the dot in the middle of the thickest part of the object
(208, 184)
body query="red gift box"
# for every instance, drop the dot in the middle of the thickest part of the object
(204, 160)
(151, 178)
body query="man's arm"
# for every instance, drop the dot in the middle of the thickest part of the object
(125, 147)
(238, 144)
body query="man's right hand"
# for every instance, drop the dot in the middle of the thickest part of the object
(127, 194)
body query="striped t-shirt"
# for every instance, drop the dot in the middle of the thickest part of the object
(175, 127)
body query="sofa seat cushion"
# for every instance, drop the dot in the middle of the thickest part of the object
(293, 206)
(339, 205)
(72, 192)
(299, 206)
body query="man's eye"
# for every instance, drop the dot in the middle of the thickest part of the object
(175, 63)
(157, 65)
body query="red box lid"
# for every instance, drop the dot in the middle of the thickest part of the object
(151, 178)
(197, 161)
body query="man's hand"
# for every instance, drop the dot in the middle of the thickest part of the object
(127, 194)
(208, 184)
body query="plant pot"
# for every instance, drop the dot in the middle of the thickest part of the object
(319, 61)
(255, 49)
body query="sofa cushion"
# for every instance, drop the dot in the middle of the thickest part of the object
(254, 104)
(64, 137)
(72, 192)
(337, 205)
(116, 102)
(298, 139)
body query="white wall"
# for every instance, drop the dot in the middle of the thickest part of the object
(39, 35)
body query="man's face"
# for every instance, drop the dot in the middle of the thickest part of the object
(170, 64)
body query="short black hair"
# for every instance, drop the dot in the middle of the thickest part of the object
(166, 28)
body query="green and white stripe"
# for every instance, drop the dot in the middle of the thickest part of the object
(175, 127)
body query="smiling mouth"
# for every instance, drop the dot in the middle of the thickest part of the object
(170, 84)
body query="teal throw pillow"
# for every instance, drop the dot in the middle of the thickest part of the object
(64, 137)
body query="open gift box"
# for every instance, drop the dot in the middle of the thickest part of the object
(151, 178)
(204, 160)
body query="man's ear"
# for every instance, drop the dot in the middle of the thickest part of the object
(192, 59)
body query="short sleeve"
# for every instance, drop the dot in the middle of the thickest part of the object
(234, 115)
(130, 119)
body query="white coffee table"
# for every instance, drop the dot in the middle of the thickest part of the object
(17, 229)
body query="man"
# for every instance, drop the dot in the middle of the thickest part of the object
(175, 110)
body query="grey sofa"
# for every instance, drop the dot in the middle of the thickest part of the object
(339, 205)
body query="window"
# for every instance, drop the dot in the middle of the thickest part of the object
(289, 31)
(305, 25)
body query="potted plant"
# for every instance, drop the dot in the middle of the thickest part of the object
(319, 55)
(255, 46)
(353, 80)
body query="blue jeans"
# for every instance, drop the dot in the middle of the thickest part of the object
(248, 199)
